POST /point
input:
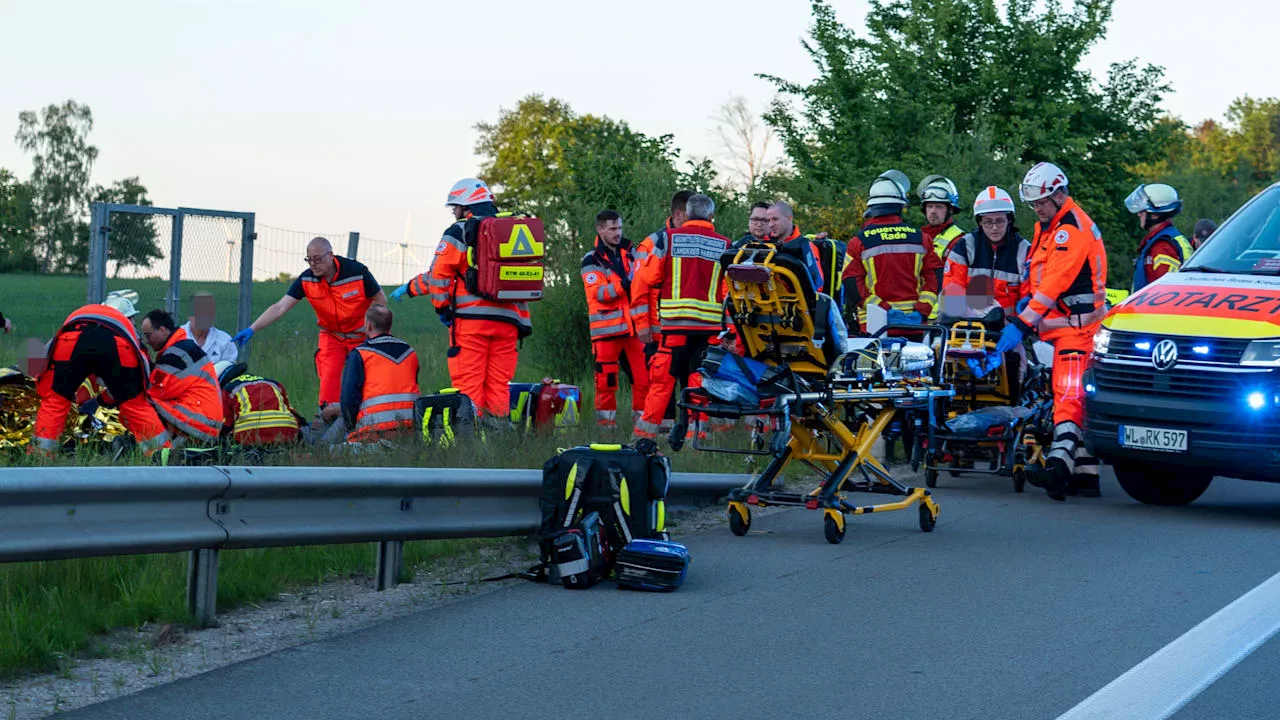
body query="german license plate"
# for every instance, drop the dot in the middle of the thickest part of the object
(1155, 439)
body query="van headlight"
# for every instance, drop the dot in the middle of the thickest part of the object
(1265, 353)
(1101, 341)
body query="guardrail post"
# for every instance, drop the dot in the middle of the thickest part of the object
(202, 585)
(390, 564)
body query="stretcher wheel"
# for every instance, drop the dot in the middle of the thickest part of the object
(831, 528)
(930, 478)
(1019, 480)
(739, 520)
(927, 520)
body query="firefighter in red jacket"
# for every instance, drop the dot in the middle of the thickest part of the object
(485, 333)
(184, 385)
(1064, 301)
(340, 290)
(98, 342)
(889, 262)
(644, 305)
(256, 410)
(606, 277)
(379, 385)
(690, 306)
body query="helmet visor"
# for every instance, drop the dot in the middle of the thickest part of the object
(1138, 200)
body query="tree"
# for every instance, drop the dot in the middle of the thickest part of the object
(523, 153)
(132, 239)
(62, 159)
(745, 143)
(17, 240)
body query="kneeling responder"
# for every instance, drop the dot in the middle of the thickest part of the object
(690, 306)
(256, 410)
(890, 263)
(98, 342)
(1164, 249)
(184, 385)
(607, 272)
(1064, 301)
(379, 385)
(485, 333)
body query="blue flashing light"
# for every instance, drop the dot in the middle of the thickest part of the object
(1143, 346)
(1200, 349)
(1257, 400)
(1090, 388)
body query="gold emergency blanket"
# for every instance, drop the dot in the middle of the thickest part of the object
(18, 406)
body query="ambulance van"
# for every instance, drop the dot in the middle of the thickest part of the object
(1185, 382)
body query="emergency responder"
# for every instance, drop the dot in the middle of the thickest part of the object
(256, 410)
(822, 256)
(690, 308)
(98, 342)
(996, 251)
(1164, 249)
(644, 305)
(890, 263)
(340, 290)
(606, 277)
(757, 224)
(379, 385)
(484, 334)
(1064, 300)
(184, 385)
(1201, 232)
(940, 201)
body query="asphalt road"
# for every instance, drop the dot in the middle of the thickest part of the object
(1015, 607)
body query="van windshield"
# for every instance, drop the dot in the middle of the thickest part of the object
(1247, 243)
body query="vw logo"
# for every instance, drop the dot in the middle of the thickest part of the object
(1165, 355)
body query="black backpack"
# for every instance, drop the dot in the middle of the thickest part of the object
(445, 418)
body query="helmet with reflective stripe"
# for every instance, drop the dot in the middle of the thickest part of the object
(939, 189)
(889, 189)
(1042, 181)
(992, 200)
(1154, 198)
(469, 191)
(227, 371)
(122, 301)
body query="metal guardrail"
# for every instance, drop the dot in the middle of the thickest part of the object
(60, 513)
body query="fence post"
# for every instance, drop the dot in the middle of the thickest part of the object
(202, 585)
(244, 316)
(390, 564)
(171, 303)
(99, 225)
(353, 244)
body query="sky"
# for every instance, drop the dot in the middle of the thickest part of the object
(331, 115)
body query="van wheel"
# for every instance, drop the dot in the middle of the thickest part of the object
(1161, 484)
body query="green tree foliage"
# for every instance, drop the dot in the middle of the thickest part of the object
(17, 219)
(62, 159)
(974, 89)
(132, 239)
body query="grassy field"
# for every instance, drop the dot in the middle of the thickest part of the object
(49, 612)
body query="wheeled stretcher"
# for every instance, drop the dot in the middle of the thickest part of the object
(818, 401)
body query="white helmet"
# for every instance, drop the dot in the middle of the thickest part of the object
(1042, 181)
(228, 370)
(122, 301)
(888, 190)
(939, 189)
(469, 191)
(992, 200)
(1154, 198)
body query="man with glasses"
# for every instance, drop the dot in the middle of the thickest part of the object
(340, 290)
(996, 251)
(757, 225)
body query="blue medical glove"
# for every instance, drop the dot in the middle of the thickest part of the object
(1010, 338)
(399, 293)
(243, 336)
(1022, 305)
(897, 317)
(914, 318)
(446, 317)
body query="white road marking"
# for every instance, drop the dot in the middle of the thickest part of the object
(1161, 685)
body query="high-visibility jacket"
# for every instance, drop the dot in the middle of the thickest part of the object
(1067, 276)
(127, 343)
(257, 412)
(606, 278)
(941, 236)
(974, 255)
(341, 301)
(644, 304)
(1163, 250)
(387, 370)
(185, 391)
(445, 281)
(893, 267)
(691, 294)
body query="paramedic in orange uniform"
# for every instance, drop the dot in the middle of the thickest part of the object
(607, 272)
(184, 385)
(340, 290)
(644, 306)
(485, 334)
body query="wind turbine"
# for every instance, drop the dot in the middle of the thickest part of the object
(405, 253)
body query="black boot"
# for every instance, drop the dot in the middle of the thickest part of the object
(1059, 480)
(1086, 486)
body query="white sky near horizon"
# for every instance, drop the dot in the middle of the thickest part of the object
(337, 115)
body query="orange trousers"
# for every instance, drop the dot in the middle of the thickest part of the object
(1071, 355)
(483, 361)
(331, 356)
(608, 352)
(675, 363)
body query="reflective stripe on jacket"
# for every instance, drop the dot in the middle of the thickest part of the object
(975, 256)
(1067, 275)
(608, 293)
(258, 412)
(340, 303)
(390, 388)
(688, 278)
(185, 391)
(943, 238)
(645, 294)
(128, 345)
(893, 267)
